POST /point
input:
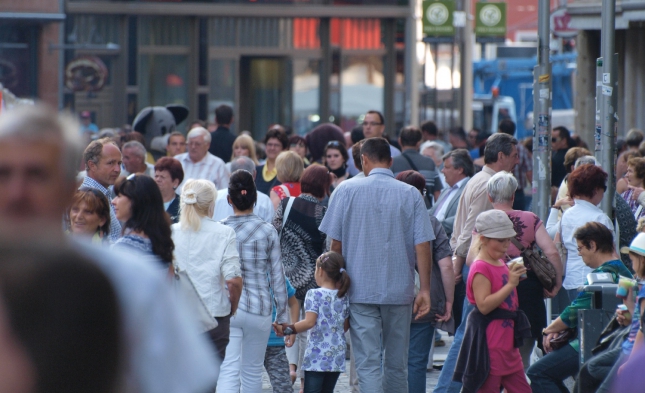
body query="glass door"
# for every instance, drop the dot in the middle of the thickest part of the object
(265, 93)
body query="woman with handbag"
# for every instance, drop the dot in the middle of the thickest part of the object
(297, 221)
(530, 231)
(595, 245)
(259, 249)
(207, 251)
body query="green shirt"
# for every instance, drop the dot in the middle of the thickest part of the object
(583, 302)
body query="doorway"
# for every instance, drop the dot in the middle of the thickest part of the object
(265, 93)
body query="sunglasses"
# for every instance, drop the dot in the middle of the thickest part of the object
(333, 143)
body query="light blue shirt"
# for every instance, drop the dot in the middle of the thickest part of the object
(379, 221)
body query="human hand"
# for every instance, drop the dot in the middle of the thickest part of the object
(421, 304)
(458, 276)
(637, 192)
(289, 340)
(277, 328)
(553, 292)
(515, 271)
(546, 342)
(446, 316)
(564, 201)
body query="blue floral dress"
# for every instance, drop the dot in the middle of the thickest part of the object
(326, 341)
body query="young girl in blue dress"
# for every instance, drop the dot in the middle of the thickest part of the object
(327, 315)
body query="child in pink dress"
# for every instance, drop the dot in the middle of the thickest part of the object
(491, 286)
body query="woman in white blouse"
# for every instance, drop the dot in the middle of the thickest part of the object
(207, 251)
(587, 186)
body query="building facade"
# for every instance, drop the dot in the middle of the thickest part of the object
(298, 63)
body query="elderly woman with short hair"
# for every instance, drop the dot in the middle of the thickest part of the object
(529, 231)
(289, 166)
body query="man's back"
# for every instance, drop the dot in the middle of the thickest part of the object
(222, 143)
(379, 220)
(412, 160)
(474, 200)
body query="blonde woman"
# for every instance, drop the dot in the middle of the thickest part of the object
(244, 146)
(290, 166)
(207, 251)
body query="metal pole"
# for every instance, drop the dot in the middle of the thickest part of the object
(542, 119)
(608, 102)
(466, 70)
(411, 66)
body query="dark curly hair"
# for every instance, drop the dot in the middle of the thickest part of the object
(279, 134)
(173, 166)
(638, 164)
(241, 189)
(585, 180)
(598, 233)
(148, 213)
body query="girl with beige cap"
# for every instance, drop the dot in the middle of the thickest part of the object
(490, 357)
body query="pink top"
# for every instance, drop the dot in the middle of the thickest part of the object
(504, 358)
(292, 190)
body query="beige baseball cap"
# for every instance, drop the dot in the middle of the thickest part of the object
(494, 224)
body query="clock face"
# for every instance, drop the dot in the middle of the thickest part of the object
(490, 15)
(437, 14)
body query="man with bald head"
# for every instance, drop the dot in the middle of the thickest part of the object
(198, 163)
(102, 160)
(263, 207)
(39, 155)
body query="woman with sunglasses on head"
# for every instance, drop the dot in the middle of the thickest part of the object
(146, 226)
(335, 159)
(89, 215)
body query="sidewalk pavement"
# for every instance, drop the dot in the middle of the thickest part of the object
(342, 386)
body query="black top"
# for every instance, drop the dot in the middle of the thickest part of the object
(301, 241)
(263, 186)
(473, 364)
(558, 171)
(222, 143)
(173, 209)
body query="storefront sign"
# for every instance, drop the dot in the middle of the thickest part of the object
(490, 19)
(437, 18)
(87, 73)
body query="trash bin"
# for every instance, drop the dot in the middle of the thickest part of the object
(591, 322)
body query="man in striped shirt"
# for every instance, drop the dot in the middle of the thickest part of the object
(198, 163)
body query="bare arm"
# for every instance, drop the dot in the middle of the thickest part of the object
(551, 331)
(234, 292)
(487, 301)
(424, 264)
(294, 312)
(336, 246)
(346, 325)
(448, 280)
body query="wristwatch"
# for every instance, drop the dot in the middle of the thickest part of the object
(289, 330)
(544, 333)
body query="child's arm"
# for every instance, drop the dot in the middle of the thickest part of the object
(346, 325)
(301, 326)
(487, 301)
(294, 309)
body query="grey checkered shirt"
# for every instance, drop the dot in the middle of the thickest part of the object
(259, 249)
(379, 221)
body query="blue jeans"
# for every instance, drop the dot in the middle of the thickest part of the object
(421, 337)
(320, 382)
(547, 374)
(445, 384)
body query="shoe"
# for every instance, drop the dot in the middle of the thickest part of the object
(439, 343)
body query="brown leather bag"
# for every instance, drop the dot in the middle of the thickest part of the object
(563, 338)
(539, 264)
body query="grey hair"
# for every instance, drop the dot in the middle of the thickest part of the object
(245, 163)
(501, 187)
(199, 131)
(137, 146)
(461, 159)
(498, 142)
(40, 123)
(585, 160)
(435, 145)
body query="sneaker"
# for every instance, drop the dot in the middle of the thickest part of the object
(439, 343)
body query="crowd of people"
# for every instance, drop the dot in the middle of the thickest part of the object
(299, 247)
